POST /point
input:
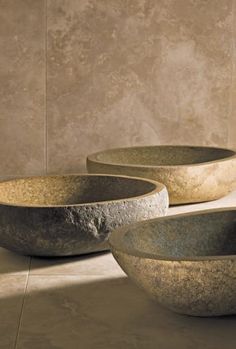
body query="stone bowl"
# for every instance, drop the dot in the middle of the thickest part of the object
(185, 262)
(191, 174)
(73, 214)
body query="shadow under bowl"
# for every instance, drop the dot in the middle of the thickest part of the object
(185, 262)
(73, 214)
(191, 174)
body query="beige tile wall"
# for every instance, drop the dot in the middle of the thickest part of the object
(79, 76)
(22, 87)
(232, 116)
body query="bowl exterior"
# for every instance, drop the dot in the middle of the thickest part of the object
(73, 230)
(185, 184)
(196, 288)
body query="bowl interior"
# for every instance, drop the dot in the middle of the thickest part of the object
(163, 155)
(183, 236)
(71, 190)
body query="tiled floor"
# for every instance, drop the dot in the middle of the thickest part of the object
(89, 303)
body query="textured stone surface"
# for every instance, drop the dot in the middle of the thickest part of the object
(232, 115)
(119, 73)
(22, 87)
(68, 215)
(185, 262)
(79, 295)
(191, 174)
(136, 72)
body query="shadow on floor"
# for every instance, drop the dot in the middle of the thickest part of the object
(79, 313)
(11, 262)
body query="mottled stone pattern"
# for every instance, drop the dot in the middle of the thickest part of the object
(22, 87)
(186, 263)
(114, 73)
(232, 121)
(73, 223)
(191, 174)
(136, 72)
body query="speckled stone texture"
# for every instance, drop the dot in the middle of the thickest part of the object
(73, 214)
(191, 174)
(186, 262)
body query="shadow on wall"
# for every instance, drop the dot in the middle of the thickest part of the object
(106, 314)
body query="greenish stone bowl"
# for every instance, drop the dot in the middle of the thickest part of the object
(73, 214)
(191, 174)
(185, 262)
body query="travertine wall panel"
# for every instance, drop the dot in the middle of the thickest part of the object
(80, 76)
(232, 115)
(136, 72)
(22, 87)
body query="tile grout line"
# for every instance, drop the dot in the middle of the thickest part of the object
(22, 306)
(46, 76)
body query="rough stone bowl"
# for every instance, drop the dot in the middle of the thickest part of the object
(73, 214)
(191, 174)
(185, 262)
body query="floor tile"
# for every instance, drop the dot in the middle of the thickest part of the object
(93, 264)
(11, 298)
(101, 313)
(12, 263)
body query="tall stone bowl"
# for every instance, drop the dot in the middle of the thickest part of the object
(73, 214)
(191, 174)
(186, 262)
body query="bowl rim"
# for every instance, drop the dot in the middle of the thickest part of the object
(159, 187)
(93, 158)
(116, 240)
